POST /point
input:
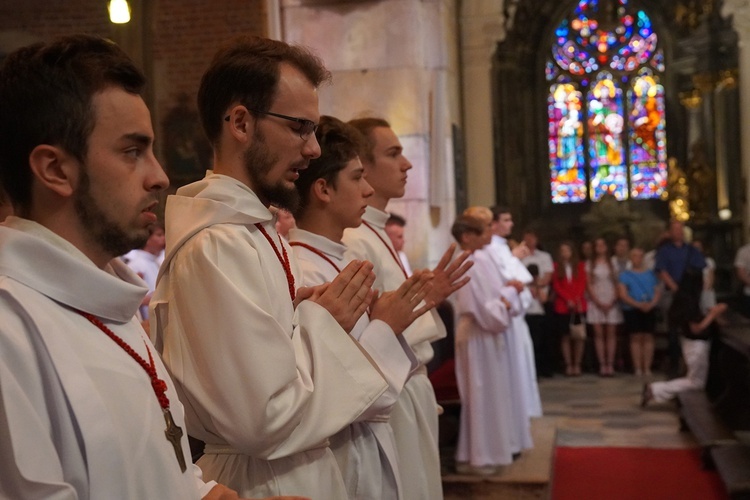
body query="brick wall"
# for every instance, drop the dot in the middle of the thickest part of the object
(44, 19)
(184, 36)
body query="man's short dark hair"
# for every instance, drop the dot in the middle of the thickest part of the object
(46, 93)
(247, 71)
(395, 220)
(499, 210)
(365, 127)
(340, 143)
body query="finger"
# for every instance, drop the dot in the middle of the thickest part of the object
(458, 284)
(418, 312)
(457, 262)
(359, 287)
(305, 292)
(420, 288)
(352, 280)
(421, 294)
(461, 270)
(446, 258)
(340, 282)
(360, 309)
(405, 287)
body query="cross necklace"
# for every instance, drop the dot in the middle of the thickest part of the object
(173, 432)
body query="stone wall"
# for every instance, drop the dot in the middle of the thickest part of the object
(396, 59)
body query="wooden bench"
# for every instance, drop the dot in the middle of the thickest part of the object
(733, 464)
(698, 416)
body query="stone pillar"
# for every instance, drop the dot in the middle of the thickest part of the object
(482, 28)
(396, 59)
(740, 12)
(273, 8)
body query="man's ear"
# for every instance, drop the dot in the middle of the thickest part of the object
(241, 123)
(55, 169)
(321, 190)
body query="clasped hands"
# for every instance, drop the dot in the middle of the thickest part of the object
(350, 294)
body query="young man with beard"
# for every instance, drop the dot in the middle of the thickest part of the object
(87, 409)
(334, 192)
(414, 418)
(268, 371)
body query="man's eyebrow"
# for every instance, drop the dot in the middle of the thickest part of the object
(142, 139)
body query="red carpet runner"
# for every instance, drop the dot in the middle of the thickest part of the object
(633, 474)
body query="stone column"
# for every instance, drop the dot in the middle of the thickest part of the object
(482, 28)
(740, 12)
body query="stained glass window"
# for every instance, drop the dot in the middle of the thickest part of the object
(568, 177)
(606, 105)
(648, 144)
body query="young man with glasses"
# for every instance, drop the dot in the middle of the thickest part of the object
(268, 370)
(414, 419)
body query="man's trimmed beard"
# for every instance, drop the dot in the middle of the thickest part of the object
(102, 230)
(258, 162)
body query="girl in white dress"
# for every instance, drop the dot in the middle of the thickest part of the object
(604, 312)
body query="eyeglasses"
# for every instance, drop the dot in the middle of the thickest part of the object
(306, 127)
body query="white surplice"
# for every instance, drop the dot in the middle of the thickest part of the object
(519, 337)
(414, 418)
(366, 450)
(264, 385)
(78, 416)
(483, 367)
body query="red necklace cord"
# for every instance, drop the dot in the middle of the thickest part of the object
(283, 260)
(390, 250)
(319, 253)
(159, 386)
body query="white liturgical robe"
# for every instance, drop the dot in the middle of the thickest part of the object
(78, 415)
(522, 349)
(264, 385)
(414, 419)
(366, 450)
(483, 366)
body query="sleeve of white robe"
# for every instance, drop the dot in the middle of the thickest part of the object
(393, 356)
(390, 352)
(31, 465)
(488, 310)
(256, 385)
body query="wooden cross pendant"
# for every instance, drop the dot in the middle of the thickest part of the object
(174, 436)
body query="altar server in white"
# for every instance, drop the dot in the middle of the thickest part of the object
(87, 409)
(511, 271)
(268, 372)
(333, 196)
(483, 310)
(414, 419)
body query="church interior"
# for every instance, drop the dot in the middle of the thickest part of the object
(586, 118)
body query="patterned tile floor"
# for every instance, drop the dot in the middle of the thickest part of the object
(578, 411)
(595, 411)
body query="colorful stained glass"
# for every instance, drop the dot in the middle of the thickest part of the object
(648, 143)
(601, 48)
(567, 168)
(605, 126)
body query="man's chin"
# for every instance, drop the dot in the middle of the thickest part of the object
(282, 197)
